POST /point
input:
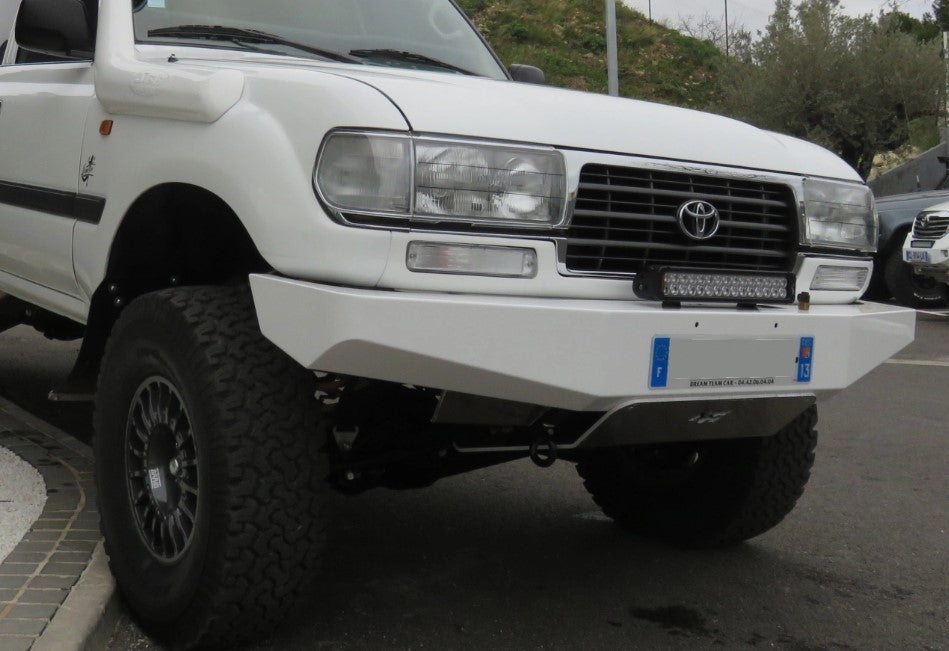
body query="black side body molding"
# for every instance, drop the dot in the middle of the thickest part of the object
(83, 207)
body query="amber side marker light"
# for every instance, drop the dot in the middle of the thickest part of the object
(105, 128)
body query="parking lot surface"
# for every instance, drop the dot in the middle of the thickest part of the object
(519, 557)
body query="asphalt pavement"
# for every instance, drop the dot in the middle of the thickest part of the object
(519, 557)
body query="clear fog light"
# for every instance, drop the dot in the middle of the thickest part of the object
(839, 279)
(472, 259)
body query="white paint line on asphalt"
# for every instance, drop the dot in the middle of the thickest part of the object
(917, 362)
(931, 313)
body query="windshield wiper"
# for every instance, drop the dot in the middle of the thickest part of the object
(409, 57)
(241, 35)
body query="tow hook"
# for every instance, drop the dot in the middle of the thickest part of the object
(544, 450)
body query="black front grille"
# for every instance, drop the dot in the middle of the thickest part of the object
(931, 226)
(625, 221)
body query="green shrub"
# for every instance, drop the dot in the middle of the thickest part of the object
(567, 38)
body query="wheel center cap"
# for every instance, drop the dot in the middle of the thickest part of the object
(158, 485)
(164, 468)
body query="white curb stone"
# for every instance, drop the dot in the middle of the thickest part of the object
(22, 497)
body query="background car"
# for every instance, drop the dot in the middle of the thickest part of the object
(892, 276)
(927, 247)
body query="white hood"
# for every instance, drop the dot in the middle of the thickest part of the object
(483, 108)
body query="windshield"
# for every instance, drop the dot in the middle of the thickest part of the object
(419, 34)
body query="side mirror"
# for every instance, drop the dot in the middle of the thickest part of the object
(527, 74)
(58, 28)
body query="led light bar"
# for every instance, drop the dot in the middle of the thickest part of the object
(704, 285)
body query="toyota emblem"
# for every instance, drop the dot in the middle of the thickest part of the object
(699, 220)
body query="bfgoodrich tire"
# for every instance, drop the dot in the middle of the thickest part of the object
(911, 289)
(704, 494)
(210, 468)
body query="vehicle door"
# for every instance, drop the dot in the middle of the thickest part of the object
(44, 100)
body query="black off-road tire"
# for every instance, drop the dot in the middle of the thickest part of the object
(910, 289)
(255, 452)
(704, 494)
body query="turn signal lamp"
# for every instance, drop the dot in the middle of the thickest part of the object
(839, 279)
(472, 260)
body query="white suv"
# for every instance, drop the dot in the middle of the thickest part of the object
(314, 245)
(927, 245)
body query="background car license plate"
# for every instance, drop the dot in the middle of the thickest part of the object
(917, 256)
(714, 363)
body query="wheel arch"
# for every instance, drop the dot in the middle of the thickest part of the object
(173, 234)
(179, 233)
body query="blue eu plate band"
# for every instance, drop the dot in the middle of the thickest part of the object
(805, 360)
(659, 376)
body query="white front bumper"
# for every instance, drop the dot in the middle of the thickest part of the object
(584, 355)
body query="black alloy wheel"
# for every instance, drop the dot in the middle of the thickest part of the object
(162, 469)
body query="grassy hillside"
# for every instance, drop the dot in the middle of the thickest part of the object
(567, 39)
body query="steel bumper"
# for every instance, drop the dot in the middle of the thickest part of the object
(583, 355)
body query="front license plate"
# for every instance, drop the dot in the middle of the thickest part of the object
(917, 256)
(714, 363)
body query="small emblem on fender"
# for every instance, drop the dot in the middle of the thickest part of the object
(87, 170)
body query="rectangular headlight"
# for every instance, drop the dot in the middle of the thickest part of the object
(433, 179)
(840, 215)
(495, 183)
(368, 173)
(698, 285)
